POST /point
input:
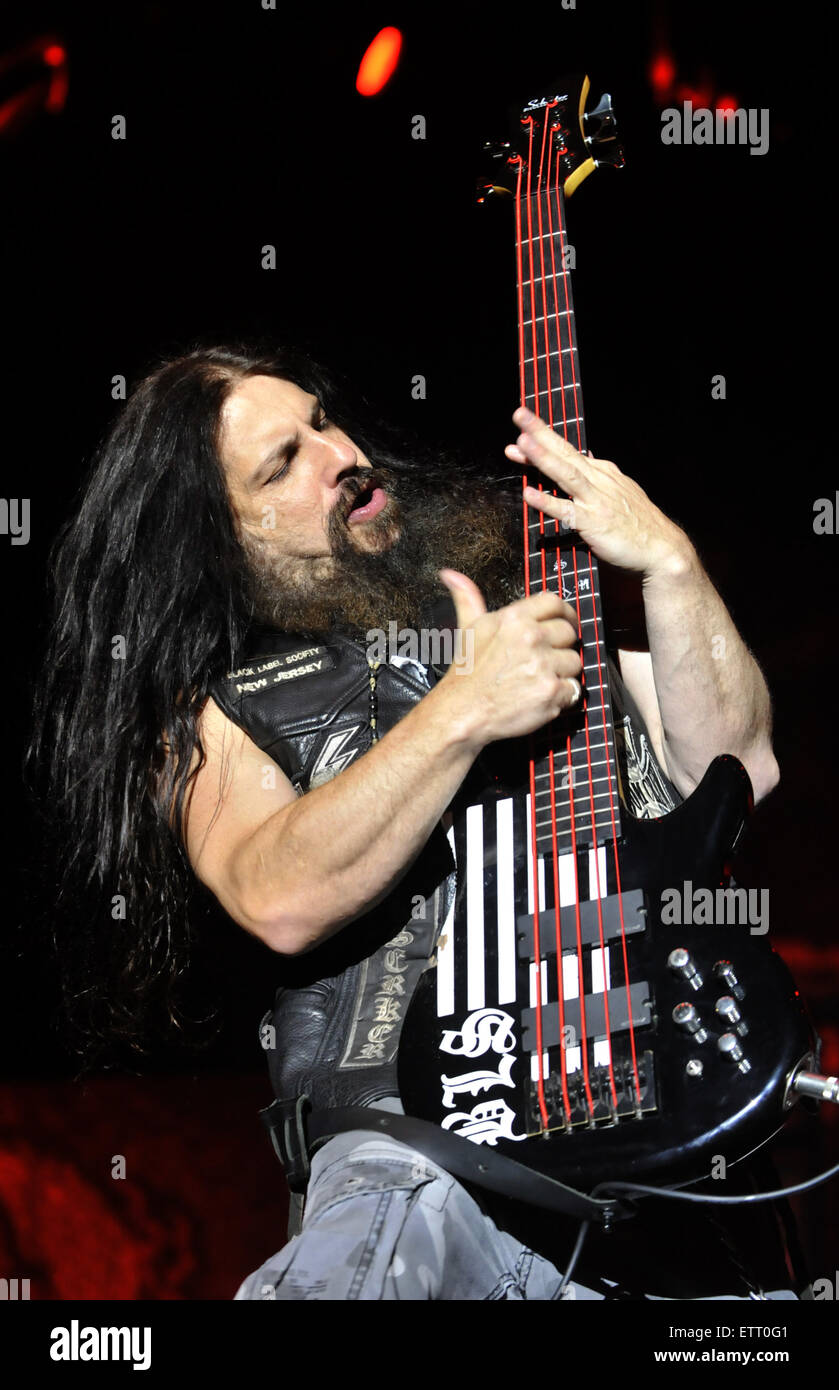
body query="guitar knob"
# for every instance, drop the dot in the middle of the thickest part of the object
(729, 1047)
(725, 970)
(685, 1016)
(681, 964)
(729, 1012)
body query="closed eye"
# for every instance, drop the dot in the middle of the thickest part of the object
(318, 424)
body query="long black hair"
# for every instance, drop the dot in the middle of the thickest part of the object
(149, 604)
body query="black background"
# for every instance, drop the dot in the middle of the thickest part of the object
(244, 128)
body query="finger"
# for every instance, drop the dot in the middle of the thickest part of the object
(552, 454)
(466, 596)
(567, 664)
(560, 508)
(546, 605)
(560, 632)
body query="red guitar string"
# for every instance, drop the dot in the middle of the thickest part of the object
(535, 886)
(568, 748)
(617, 864)
(597, 855)
(586, 725)
(538, 393)
(566, 1101)
(540, 1084)
(586, 728)
(602, 686)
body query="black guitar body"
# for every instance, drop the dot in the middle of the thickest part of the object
(697, 1104)
(610, 1013)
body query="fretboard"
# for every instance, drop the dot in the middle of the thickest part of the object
(576, 787)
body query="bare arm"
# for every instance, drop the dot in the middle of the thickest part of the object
(699, 689)
(699, 684)
(294, 870)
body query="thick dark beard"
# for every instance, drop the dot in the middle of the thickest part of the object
(473, 529)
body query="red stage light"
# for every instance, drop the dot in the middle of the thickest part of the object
(379, 62)
(697, 96)
(727, 103)
(54, 55)
(662, 72)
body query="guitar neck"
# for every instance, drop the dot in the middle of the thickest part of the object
(575, 784)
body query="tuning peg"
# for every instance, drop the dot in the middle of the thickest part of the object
(605, 131)
(603, 141)
(496, 149)
(602, 111)
(613, 157)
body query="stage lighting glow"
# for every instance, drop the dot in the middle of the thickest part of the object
(379, 62)
(54, 55)
(662, 72)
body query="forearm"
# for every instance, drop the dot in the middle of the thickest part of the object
(318, 864)
(711, 693)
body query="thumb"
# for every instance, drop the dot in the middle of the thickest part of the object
(466, 596)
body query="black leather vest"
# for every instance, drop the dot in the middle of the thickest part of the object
(334, 1030)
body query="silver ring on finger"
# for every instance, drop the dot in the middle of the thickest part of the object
(578, 689)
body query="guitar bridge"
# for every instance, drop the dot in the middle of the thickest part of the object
(601, 1109)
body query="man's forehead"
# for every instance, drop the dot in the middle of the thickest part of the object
(258, 412)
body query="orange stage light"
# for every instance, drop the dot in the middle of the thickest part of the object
(379, 62)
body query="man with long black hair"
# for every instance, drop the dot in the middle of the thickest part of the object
(210, 688)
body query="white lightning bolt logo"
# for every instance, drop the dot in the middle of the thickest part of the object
(331, 759)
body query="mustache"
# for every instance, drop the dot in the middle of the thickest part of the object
(366, 480)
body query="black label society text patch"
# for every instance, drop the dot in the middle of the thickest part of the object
(272, 670)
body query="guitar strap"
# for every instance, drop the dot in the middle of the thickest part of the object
(295, 1132)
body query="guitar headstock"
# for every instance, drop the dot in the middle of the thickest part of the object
(558, 139)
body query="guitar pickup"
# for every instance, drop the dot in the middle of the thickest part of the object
(634, 922)
(640, 1006)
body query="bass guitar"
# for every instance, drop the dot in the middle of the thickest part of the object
(566, 1021)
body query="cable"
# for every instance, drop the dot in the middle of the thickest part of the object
(717, 1201)
(584, 1230)
(683, 1197)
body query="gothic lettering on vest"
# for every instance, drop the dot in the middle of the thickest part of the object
(385, 988)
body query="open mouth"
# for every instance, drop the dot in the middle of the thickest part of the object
(368, 502)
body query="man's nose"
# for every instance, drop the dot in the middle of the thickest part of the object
(339, 461)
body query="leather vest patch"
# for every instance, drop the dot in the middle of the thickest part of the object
(386, 986)
(286, 666)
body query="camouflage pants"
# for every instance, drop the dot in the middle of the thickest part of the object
(383, 1222)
